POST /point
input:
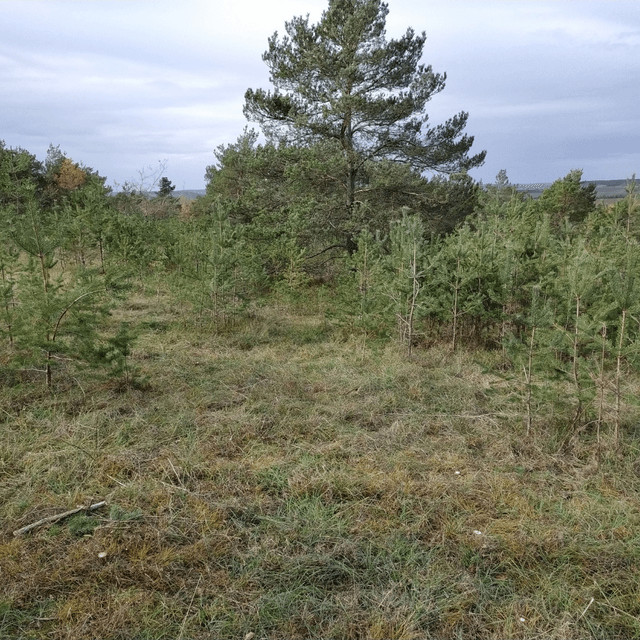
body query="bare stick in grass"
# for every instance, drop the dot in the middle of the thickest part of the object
(56, 518)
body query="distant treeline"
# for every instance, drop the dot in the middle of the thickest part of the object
(192, 194)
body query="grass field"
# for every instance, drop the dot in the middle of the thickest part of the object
(283, 479)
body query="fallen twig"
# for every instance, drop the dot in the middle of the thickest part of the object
(59, 516)
(585, 610)
(176, 487)
(118, 481)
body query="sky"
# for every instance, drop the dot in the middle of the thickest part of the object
(128, 86)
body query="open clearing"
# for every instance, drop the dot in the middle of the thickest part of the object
(283, 479)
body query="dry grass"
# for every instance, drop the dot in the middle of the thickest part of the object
(278, 479)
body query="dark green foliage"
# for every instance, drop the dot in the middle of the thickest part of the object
(287, 200)
(59, 316)
(448, 201)
(50, 313)
(272, 178)
(215, 269)
(568, 200)
(228, 178)
(115, 355)
(133, 241)
(9, 272)
(361, 302)
(624, 213)
(406, 266)
(165, 188)
(21, 179)
(502, 190)
(559, 305)
(525, 343)
(297, 191)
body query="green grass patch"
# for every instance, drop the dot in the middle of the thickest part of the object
(277, 478)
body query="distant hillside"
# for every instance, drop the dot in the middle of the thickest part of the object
(604, 189)
(190, 194)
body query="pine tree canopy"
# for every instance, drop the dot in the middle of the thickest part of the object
(165, 188)
(342, 79)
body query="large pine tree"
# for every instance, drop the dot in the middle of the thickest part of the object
(341, 79)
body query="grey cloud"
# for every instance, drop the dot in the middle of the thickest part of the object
(120, 85)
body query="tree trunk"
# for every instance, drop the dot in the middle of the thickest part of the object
(619, 375)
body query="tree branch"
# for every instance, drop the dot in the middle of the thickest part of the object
(60, 516)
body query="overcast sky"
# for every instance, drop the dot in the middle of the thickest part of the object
(550, 86)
